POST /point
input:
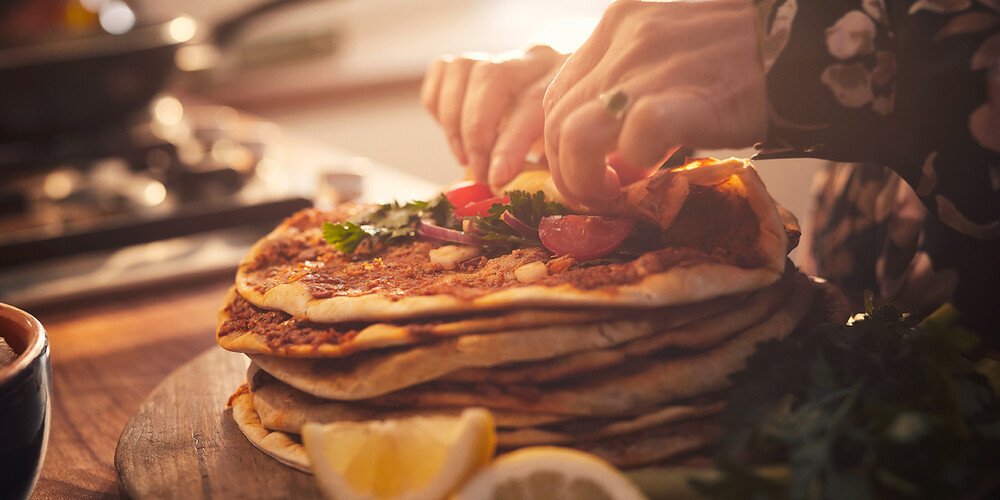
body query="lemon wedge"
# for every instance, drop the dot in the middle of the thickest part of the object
(407, 459)
(550, 473)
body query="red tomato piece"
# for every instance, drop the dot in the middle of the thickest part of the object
(584, 237)
(466, 192)
(480, 207)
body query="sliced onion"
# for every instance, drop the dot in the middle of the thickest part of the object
(428, 230)
(517, 225)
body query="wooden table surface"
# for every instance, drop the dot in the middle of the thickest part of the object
(108, 353)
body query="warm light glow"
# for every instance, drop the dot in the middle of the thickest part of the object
(92, 5)
(268, 133)
(168, 110)
(58, 184)
(566, 34)
(182, 29)
(269, 171)
(116, 18)
(191, 152)
(225, 151)
(197, 57)
(154, 194)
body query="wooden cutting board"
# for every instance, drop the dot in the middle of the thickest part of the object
(183, 442)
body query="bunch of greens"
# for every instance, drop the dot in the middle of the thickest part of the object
(881, 408)
(392, 221)
(527, 208)
(388, 223)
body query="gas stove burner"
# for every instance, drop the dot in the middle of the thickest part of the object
(172, 170)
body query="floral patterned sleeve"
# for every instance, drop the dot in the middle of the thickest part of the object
(912, 85)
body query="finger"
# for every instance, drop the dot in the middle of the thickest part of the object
(491, 91)
(522, 128)
(628, 172)
(651, 131)
(452, 95)
(487, 99)
(586, 58)
(587, 136)
(431, 85)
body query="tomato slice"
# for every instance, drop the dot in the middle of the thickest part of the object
(465, 192)
(584, 237)
(480, 207)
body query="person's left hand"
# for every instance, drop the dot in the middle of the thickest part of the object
(490, 108)
(685, 73)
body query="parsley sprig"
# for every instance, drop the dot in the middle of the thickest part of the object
(388, 223)
(883, 408)
(528, 208)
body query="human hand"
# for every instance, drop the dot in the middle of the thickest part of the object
(689, 73)
(491, 108)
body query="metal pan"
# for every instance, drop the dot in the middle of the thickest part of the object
(66, 85)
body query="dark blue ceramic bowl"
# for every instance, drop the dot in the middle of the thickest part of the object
(25, 404)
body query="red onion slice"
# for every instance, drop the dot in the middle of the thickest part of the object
(428, 230)
(517, 225)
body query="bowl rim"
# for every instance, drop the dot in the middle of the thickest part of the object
(34, 348)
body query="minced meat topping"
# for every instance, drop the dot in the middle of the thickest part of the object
(300, 255)
(279, 329)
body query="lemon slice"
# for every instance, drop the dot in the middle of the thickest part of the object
(550, 473)
(407, 459)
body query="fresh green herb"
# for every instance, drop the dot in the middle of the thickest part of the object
(346, 236)
(882, 408)
(528, 208)
(387, 223)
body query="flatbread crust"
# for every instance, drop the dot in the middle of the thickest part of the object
(243, 327)
(374, 373)
(281, 446)
(698, 335)
(634, 449)
(284, 408)
(278, 271)
(643, 383)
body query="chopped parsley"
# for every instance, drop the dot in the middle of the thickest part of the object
(882, 408)
(528, 208)
(388, 223)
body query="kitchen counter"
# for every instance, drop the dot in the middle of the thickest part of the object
(107, 355)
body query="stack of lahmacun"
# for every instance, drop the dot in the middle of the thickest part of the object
(626, 358)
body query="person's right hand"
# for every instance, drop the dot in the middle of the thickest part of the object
(684, 73)
(491, 108)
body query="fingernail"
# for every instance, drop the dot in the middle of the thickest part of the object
(458, 150)
(499, 170)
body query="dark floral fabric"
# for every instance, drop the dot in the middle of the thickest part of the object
(909, 92)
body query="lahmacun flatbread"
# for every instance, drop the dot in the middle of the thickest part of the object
(244, 327)
(283, 408)
(378, 372)
(643, 383)
(642, 444)
(723, 232)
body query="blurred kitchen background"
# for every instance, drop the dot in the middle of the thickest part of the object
(151, 141)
